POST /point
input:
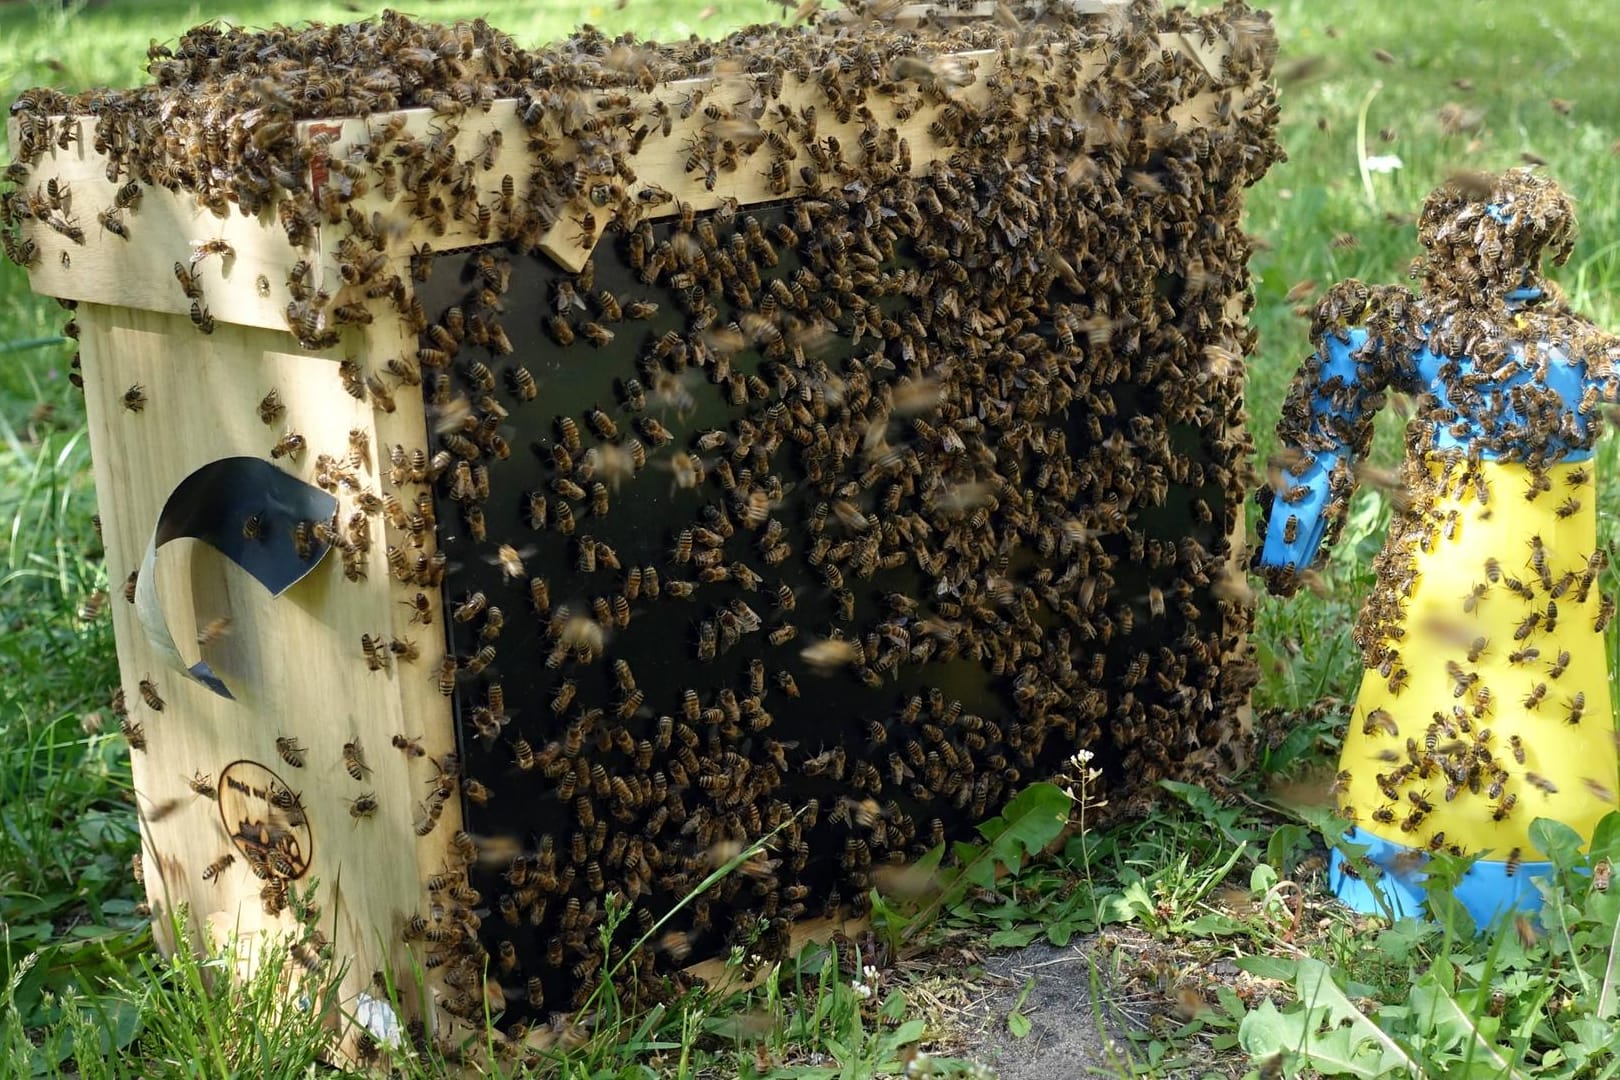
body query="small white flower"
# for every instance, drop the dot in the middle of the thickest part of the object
(870, 974)
(1081, 757)
(1383, 163)
(860, 988)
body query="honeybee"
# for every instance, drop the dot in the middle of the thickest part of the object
(203, 785)
(830, 654)
(135, 398)
(289, 445)
(409, 746)
(523, 384)
(474, 605)
(421, 609)
(1380, 720)
(363, 806)
(523, 754)
(291, 752)
(201, 251)
(563, 697)
(446, 676)
(655, 432)
(213, 870)
(270, 407)
(214, 630)
(1541, 783)
(375, 652)
(354, 759)
(134, 732)
(1513, 860)
(149, 695)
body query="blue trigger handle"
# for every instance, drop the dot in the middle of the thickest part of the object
(1309, 512)
(1311, 520)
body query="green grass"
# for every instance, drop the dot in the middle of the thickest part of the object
(1201, 882)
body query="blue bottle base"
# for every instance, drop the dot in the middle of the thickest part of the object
(1487, 892)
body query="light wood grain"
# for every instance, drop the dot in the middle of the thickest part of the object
(293, 663)
(251, 288)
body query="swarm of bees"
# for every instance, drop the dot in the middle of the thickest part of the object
(1476, 350)
(946, 478)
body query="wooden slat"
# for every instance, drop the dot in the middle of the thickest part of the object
(251, 288)
(662, 160)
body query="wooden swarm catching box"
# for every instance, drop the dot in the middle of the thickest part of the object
(823, 430)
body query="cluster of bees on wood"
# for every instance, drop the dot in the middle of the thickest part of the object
(1485, 238)
(991, 422)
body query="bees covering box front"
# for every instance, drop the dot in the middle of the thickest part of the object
(805, 438)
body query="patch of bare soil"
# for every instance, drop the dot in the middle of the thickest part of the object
(1082, 1003)
(1070, 1033)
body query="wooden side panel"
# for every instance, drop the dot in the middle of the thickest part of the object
(294, 663)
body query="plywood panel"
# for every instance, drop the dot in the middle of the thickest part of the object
(294, 664)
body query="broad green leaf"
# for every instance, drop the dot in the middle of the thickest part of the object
(1130, 903)
(1265, 1030)
(1229, 1001)
(1018, 1024)
(1213, 924)
(1560, 843)
(1285, 841)
(1325, 1028)
(1446, 910)
(1060, 933)
(1280, 968)
(908, 1032)
(1196, 797)
(1436, 1006)
(1035, 817)
(1596, 1036)
(1606, 838)
(1605, 910)
(1397, 942)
